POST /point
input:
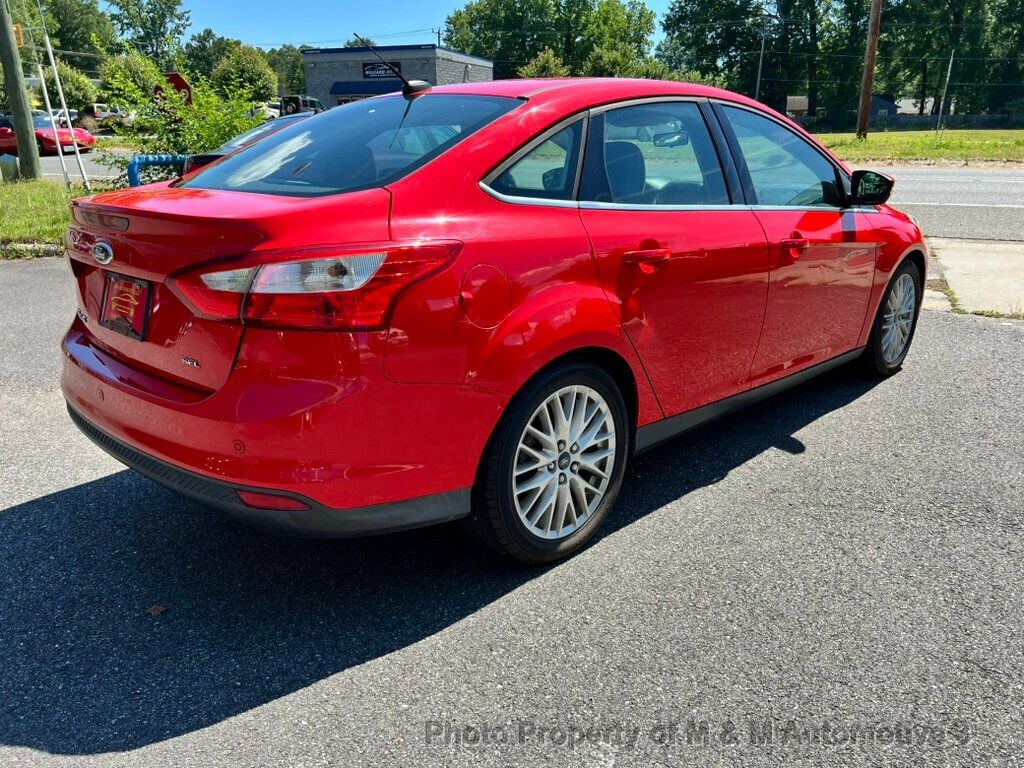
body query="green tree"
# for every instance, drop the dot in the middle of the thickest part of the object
(204, 51)
(511, 33)
(83, 31)
(245, 74)
(287, 63)
(713, 36)
(79, 92)
(547, 63)
(355, 42)
(167, 125)
(917, 39)
(1007, 49)
(514, 32)
(152, 26)
(129, 78)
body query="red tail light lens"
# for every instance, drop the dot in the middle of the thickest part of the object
(339, 288)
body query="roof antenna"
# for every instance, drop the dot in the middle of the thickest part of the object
(410, 87)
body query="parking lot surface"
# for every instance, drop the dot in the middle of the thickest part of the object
(830, 578)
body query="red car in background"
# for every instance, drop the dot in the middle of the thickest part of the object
(47, 137)
(475, 302)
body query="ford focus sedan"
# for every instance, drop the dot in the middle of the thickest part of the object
(475, 302)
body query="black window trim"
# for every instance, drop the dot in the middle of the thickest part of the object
(572, 202)
(842, 177)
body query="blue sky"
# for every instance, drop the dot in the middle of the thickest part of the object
(269, 23)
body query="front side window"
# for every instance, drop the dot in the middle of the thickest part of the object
(365, 144)
(548, 171)
(653, 154)
(784, 169)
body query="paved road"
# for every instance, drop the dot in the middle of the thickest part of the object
(847, 556)
(983, 203)
(51, 167)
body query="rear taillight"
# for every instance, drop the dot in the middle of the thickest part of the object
(341, 288)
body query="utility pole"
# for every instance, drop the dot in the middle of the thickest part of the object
(945, 90)
(868, 79)
(21, 110)
(760, 66)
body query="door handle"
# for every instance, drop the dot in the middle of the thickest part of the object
(648, 260)
(794, 246)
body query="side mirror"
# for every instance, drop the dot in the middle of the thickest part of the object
(870, 188)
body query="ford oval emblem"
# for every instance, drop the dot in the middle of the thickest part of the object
(102, 253)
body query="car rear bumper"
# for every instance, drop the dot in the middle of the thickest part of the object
(308, 416)
(316, 522)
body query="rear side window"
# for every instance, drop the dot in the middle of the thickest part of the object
(364, 144)
(784, 169)
(653, 154)
(548, 171)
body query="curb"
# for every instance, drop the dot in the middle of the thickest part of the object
(29, 250)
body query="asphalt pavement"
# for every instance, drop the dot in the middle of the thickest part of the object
(969, 202)
(93, 168)
(830, 578)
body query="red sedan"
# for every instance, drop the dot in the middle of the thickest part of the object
(475, 302)
(46, 137)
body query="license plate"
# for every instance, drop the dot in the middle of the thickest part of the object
(126, 305)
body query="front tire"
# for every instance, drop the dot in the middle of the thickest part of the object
(896, 321)
(554, 466)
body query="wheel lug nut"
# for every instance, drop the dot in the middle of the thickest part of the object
(561, 479)
(551, 467)
(575, 466)
(561, 445)
(574, 448)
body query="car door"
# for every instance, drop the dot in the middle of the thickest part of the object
(823, 258)
(8, 139)
(687, 269)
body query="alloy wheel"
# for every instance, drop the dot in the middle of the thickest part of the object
(898, 318)
(564, 462)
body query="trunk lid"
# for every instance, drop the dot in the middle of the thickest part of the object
(158, 231)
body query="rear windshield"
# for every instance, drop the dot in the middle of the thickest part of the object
(364, 144)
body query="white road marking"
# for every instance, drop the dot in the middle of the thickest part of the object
(957, 205)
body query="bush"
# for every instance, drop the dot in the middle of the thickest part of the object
(165, 124)
(79, 92)
(129, 79)
(547, 63)
(245, 74)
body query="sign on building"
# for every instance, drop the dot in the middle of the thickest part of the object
(374, 70)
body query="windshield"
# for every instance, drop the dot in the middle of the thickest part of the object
(42, 122)
(364, 144)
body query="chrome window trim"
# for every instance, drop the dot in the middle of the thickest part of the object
(590, 205)
(519, 154)
(517, 200)
(645, 100)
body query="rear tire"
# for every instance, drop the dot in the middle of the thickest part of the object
(547, 481)
(895, 323)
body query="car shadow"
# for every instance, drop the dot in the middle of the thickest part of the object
(129, 615)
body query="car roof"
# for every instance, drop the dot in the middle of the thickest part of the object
(587, 91)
